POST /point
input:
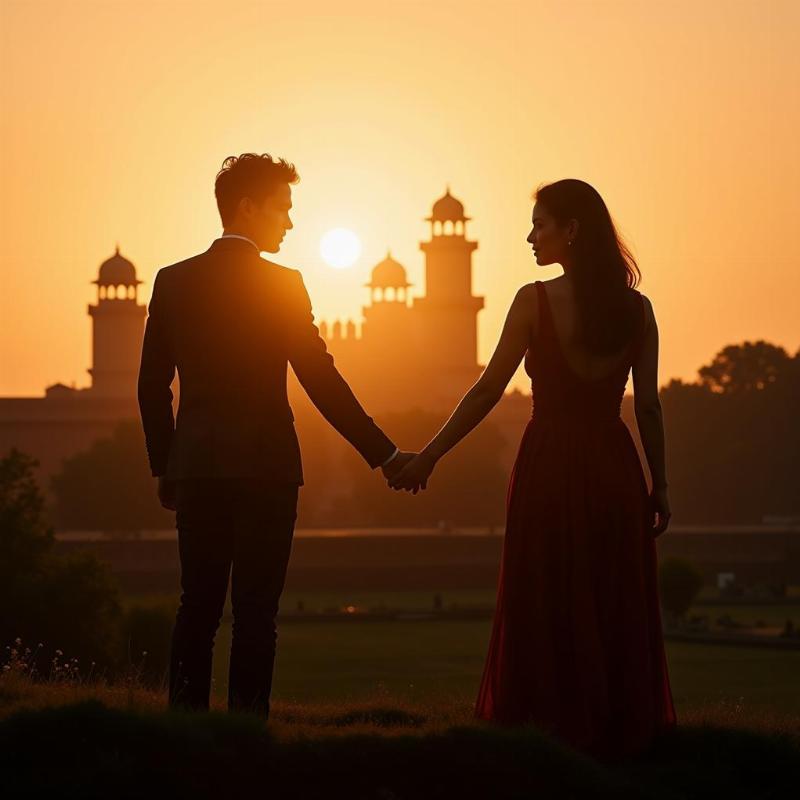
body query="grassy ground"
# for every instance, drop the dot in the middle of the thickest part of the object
(421, 660)
(383, 711)
(417, 660)
(97, 742)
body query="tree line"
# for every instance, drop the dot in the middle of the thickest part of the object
(733, 447)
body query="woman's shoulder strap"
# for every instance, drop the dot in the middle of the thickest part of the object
(643, 303)
(641, 327)
(544, 322)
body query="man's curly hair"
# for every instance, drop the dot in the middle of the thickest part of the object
(249, 175)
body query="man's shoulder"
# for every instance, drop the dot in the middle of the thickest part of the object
(288, 281)
(283, 272)
(189, 269)
(174, 271)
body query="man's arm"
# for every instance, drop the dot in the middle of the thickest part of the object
(156, 371)
(328, 390)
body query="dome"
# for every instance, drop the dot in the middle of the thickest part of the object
(59, 390)
(117, 270)
(447, 208)
(389, 274)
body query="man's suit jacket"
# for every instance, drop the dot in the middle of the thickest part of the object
(231, 322)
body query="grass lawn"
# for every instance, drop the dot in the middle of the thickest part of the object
(383, 711)
(417, 661)
(96, 741)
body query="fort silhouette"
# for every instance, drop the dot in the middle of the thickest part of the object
(409, 351)
(416, 350)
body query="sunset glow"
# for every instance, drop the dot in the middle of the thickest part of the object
(127, 120)
(340, 248)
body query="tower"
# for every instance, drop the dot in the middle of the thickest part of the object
(388, 287)
(117, 329)
(384, 342)
(448, 312)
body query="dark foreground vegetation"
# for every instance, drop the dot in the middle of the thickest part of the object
(99, 741)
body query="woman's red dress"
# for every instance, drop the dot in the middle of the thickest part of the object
(576, 646)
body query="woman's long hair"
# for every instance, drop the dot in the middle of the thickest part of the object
(605, 271)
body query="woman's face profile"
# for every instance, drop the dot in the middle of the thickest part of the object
(547, 239)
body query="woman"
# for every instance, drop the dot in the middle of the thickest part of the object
(576, 645)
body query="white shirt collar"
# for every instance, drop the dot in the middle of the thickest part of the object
(237, 236)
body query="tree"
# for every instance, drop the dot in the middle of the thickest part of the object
(109, 486)
(25, 537)
(67, 603)
(679, 582)
(745, 367)
(732, 438)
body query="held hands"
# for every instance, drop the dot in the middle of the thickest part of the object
(396, 464)
(408, 471)
(414, 475)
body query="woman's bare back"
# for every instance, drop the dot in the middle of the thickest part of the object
(564, 312)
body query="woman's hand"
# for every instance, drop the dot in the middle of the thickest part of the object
(414, 475)
(659, 507)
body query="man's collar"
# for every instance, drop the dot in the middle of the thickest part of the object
(239, 236)
(234, 241)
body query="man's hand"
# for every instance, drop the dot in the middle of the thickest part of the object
(396, 464)
(166, 492)
(414, 475)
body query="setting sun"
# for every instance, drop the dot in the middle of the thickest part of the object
(340, 248)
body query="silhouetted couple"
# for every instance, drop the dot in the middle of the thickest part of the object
(576, 644)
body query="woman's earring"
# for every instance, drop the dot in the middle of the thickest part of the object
(569, 243)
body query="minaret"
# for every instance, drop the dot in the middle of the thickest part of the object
(388, 282)
(384, 332)
(117, 329)
(449, 308)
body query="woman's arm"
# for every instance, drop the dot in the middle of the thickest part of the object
(483, 395)
(649, 417)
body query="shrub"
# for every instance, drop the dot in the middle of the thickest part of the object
(66, 602)
(679, 581)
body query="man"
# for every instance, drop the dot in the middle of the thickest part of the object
(230, 466)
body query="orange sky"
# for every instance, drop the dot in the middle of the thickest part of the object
(684, 115)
